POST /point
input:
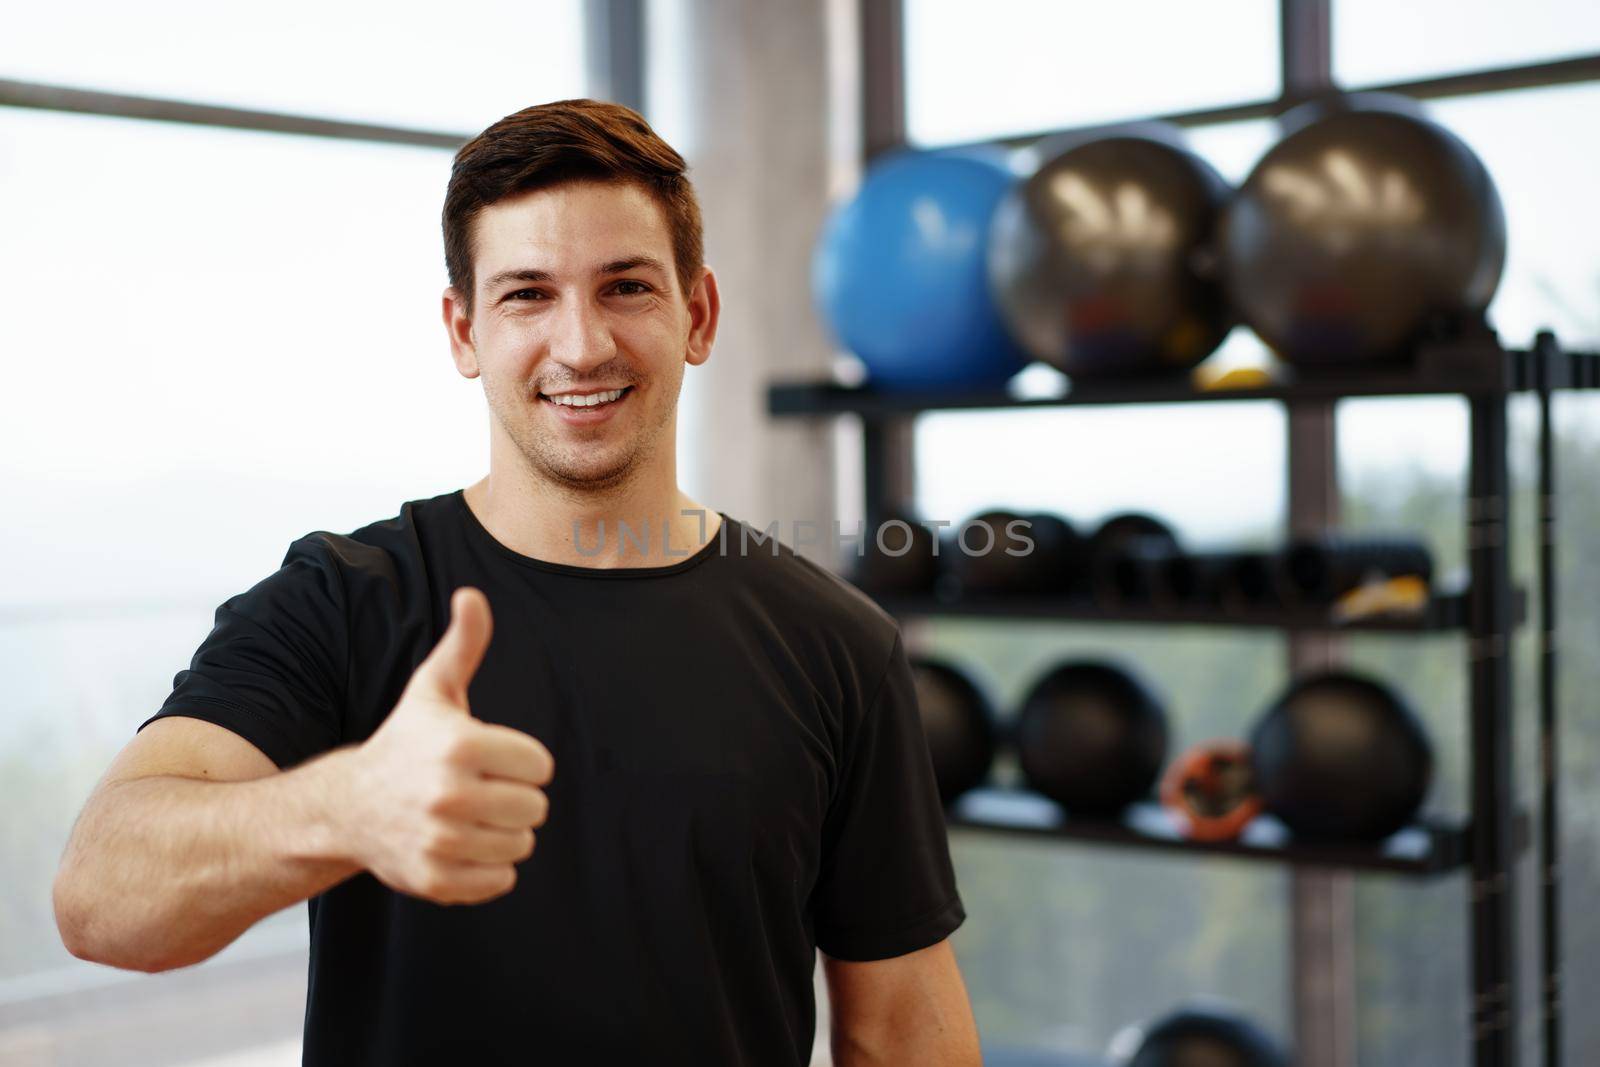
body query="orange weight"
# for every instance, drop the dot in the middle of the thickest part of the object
(1212, 787)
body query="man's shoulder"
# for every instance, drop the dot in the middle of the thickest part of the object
(802, 588)
(379, 550)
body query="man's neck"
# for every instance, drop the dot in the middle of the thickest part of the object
(632, 526)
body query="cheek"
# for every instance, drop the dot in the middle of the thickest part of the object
(512, 353)
(658, 339)
(505, 379)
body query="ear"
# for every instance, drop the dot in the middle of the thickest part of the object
(705, 308)
(458, 325)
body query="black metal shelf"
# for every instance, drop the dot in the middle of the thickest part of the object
(1473, 370)
(1471, 365)
(1443, 613)
(1430, 847)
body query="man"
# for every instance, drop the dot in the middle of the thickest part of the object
(715, 741)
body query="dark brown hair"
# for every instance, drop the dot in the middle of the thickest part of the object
(568, 140)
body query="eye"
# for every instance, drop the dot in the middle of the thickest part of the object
(524, 292)
(638, 288)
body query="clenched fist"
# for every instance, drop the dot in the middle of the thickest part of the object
(447, 805)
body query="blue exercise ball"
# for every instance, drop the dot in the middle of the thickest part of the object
(900, 274)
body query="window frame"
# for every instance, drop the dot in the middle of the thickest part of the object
(1305, 63)
(614, 51)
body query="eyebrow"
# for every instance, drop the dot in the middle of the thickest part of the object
(616, 266)
(623, 266)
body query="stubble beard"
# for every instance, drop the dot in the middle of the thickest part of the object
(569, 468)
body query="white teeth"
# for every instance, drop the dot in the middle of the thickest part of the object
(575, 400)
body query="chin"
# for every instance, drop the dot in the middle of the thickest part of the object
(588, 475)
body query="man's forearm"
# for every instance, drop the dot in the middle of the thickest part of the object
(933, 1044)
(163, 872)
(908, 1009)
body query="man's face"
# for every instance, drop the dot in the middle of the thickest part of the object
(577, 298)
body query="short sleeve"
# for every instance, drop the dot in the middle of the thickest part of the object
(273, 667)
(886, 885)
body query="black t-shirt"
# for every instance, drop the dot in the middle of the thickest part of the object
(741, 778)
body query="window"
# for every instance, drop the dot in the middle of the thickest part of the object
(1377, 41)
(270, 302)
(404, 64)
(1546, 172)
(217, 341)
(1039, 912)
(1022, 66)
(225, 340)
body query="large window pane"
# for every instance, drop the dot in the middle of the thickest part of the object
(1014, 66)
(1215, 470)
(1535, 143)
(1404, 468)
(1382, 41)
(215, 342)
(1403, 471)
(406, 64)
(218, 340)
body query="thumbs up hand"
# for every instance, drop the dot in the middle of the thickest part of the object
(443, 805)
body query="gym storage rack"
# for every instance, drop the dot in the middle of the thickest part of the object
(1477, 368)
(1486, 612)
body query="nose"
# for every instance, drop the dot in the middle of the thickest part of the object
(581, 337)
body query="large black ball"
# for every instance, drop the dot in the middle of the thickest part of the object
(959, 722)
(1341, 756)
(1203, 1037)
(1125, 557)
(1093, 259)
(1358, 231)
(1091, 737)
(897, 556)
(1007, 552)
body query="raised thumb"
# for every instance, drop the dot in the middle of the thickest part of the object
(454, 660)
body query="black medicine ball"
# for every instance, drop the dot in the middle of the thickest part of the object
(1199, 1037)
(1005, 552)
(1091, 737)
(1341, 756)
(959, 722)
(897, 556)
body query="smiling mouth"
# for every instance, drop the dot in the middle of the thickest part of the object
(585, 401)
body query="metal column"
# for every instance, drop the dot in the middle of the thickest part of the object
(615, 41)
(1549, 357)
(1494, 1000)
(1322, 917)
(887, 449)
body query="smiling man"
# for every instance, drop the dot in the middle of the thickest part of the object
(714, 742)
